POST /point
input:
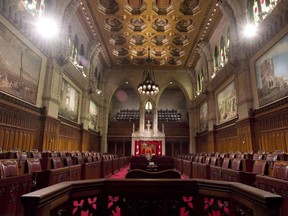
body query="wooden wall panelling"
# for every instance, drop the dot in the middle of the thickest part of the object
(272, 126)
(20, 124)
(245, 133)
(211, 146)
(226, 139)
(85, 143)
(69, 138)
(50, 134)
(94, 141)
(202, 142)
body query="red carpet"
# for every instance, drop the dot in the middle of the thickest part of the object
(121, 174)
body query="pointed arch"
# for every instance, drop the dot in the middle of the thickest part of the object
(166, 84)
(118, 85)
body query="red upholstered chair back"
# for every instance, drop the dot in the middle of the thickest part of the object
(89, 159)
(190, 157)
(223, 155)
(232, 155)
(272, 157)
(166, 160)
(283, 172)
(280, 170)
(236, 164)
(200, 159)
(258, 156)
(68, 161)
(260, 167)
(79, 159)
(214, 161)
(57, 163)
(207, 160)
(138, 162)
(9, 168)
(139, 159)
(37, 155)
(22, 156)
(55, 154)
(226, 163)
(34, 165)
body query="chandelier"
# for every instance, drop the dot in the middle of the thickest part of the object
(148, 85)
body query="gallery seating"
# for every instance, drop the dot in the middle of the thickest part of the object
(23, 172)
(12, 187)
(277, 183)
(216, 171)
(164, 163)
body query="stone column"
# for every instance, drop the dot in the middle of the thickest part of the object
(155, 120)
(104, 129)
(141, 117)
(192, 129)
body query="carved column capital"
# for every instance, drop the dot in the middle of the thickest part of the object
(94, 48)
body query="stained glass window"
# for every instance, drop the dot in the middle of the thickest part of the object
(200, 80)
(222, 52)
(35, 7)
(216, 58)
(259, 9)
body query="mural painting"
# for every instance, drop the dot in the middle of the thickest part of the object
(93, 116)
(272, 73)
(203, 117)
(19, 67)
(69, 101)
(226, 101)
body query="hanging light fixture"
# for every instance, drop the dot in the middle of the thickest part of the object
(148, 85)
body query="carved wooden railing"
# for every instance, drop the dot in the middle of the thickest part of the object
(151, 197)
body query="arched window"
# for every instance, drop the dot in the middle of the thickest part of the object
(199, 82)
(222, 52)
(228, 41)
(148, 106)
(35, 7)
(81, 55)
(69, 41)
(75, 48)
(216, 58)
(98, 80)
(201, 79)
(259, 9)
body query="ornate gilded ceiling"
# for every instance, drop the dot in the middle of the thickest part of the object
(171, 28)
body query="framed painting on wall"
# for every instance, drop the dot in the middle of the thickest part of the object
(20, 67)
(93, 116)
(226, 103)
(271, 71)
(203, 117)
(69, 101)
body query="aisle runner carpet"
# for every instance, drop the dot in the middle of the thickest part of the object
(121, 175)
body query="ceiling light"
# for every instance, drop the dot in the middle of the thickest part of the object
(47, 27)
(250, 30)
(148, 85)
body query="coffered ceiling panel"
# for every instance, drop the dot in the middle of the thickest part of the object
(171, 29)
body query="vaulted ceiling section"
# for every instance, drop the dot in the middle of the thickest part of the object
(171, 29)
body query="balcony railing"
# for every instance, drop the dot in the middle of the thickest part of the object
(151, 197)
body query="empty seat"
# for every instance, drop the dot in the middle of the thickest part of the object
(138, 162)
(9, 168)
